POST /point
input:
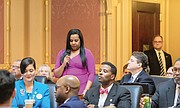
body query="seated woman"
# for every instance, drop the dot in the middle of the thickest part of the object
(28, 88)
(45, 70)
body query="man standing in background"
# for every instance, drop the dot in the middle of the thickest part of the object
(159, 60)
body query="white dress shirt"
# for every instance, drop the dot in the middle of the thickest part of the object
(102, 97)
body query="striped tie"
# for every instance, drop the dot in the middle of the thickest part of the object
(161, 65)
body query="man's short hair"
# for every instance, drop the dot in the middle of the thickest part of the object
(157, 36)
(141, 58)
(113, 68)
(7, 85)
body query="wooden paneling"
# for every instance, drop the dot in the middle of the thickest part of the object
(146, 24)
(81, 14)
(1, 31)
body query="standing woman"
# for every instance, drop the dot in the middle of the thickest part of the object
(76, 60)
(28, 88)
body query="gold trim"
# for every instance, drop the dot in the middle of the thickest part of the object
(7, 35)
(47, 31)
(103, 31)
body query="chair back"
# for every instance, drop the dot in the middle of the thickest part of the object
(136, 92)
(145, 86)
(41, 79)
(53, 103)
(158, 79)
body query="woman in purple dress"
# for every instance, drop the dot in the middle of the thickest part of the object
(76, 60)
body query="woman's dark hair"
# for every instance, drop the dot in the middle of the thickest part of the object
(68, 46)
(25, 62)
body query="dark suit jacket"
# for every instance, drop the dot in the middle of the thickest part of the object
(164, 95)
(154, 63)
(73, 102)
(143, 77)
(119, 96)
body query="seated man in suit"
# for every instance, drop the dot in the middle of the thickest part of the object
(166, 94)
(7, 88)
(67, 92)
(137, 66)
(108, 93)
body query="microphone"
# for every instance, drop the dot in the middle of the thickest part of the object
(68, 52)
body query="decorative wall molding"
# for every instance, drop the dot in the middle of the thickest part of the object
(47, 31)
(7, 34)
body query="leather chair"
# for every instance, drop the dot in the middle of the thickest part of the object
(158, 79)
(42, 79)
(53, 103)
(136, 92)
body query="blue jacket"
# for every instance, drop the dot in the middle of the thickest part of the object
(73, 102)
(40, 93)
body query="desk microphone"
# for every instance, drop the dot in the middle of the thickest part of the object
(68, 52)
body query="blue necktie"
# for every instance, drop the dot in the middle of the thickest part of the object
(130, 80)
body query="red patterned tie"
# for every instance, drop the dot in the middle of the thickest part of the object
(102, 91)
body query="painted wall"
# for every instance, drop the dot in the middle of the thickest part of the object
(174, 28)
(28, 24)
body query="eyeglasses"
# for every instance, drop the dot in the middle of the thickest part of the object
(175, 69)
(56, 87)
(14, 67)
(157, 41)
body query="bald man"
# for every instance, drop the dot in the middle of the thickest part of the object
(67, 92)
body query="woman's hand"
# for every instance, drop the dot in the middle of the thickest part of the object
(66, 59)
(84, 92)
